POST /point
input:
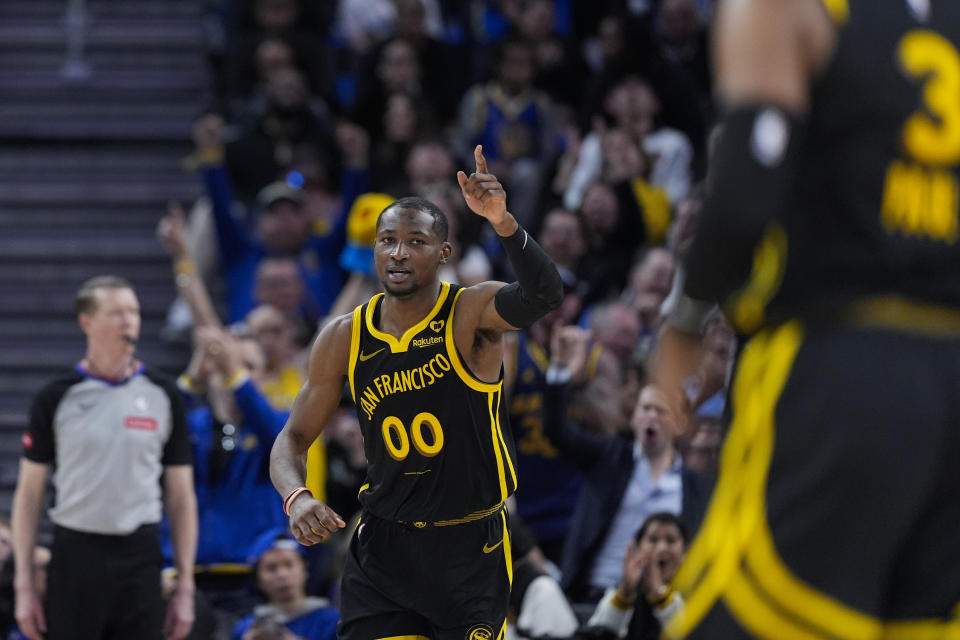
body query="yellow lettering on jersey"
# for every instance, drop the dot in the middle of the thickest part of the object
(403, 381)
(367, 408)
(921, 202)
(534, 442)
(387, 387)
(413, 379)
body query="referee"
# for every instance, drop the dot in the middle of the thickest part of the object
(110, 428)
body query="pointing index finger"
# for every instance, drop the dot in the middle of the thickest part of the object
(481, 161)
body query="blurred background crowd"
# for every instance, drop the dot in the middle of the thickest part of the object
(316, 115)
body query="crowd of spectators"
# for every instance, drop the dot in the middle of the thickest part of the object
(594, 115)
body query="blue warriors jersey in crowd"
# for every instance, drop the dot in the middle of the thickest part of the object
(550, 483)
(511, 127)
(437, 439)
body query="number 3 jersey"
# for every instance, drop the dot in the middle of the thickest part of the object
(875, 206)
(437, 439)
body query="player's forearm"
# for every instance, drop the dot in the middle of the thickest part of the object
(538, 289)
(752, 174)
(182, 510)
(23, 529)
(288, 461)
(191, 288)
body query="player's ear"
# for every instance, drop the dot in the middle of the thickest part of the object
(446, 250)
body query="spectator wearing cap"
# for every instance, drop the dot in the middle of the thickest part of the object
(357, 256)
(288, 613)
(282, 228)
(703, 451)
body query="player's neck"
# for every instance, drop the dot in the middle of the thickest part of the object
(110, 366)
(399, 313)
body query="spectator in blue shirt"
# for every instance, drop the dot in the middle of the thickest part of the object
(288, 612)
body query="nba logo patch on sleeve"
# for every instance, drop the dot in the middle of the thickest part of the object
(26, 440)
(770, 137)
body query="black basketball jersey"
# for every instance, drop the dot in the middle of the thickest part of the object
(875, 210)
(438, 441)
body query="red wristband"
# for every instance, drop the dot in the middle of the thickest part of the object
(293, 496)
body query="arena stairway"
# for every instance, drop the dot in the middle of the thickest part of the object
(91, 149)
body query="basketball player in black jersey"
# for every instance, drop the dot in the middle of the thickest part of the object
(834, 185)
(423, 361)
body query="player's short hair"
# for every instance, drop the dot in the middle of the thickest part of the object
(440, 227)
(86, 298)
(663, 517)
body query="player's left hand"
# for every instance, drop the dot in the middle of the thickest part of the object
(180, 615)
(482, 191)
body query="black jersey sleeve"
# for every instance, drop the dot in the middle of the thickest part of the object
(38, 441)
(177, 449)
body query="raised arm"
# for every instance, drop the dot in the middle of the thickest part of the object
(767, 53)
(538, 289)
(171, 231)
(311, 521)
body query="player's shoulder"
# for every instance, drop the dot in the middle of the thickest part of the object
(331, 347)
(477, 295)
(54, 389)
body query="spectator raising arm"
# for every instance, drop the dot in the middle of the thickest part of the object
(171, 231)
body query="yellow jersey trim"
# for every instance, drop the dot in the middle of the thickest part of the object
(469, 380)
(748, 306)
(506, 452)
(538, 355)
(507, 553)
(404, 638)
(403, 343)
(354, 348)
(734, 557)
(496, 449)
(712, 568)
(476, 515)
(364, 487)
(838, 10)
(593, 360)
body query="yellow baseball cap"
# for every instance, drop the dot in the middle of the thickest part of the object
(362, 231)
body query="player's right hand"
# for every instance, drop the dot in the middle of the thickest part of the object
(311, 521)
(29, 614)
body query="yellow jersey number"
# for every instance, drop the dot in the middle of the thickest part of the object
(920, 196)
(398, 442)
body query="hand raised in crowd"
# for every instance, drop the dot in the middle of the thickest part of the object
(568, 349)
(311, 521)
(221, 348)
(635, 563)
(208, 131)
(172, 231)
(482, 191)
(641, 573)
(29, 613)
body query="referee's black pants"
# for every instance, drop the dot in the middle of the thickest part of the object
(104, 587)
